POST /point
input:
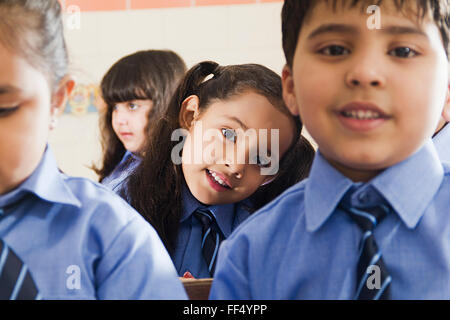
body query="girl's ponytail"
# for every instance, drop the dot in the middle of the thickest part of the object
(194, 79)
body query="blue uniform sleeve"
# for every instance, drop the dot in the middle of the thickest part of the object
(137, 266)
(231, 280)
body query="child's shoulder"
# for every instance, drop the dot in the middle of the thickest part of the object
(99, 202)
(280, 213)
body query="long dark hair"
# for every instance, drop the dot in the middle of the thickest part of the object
(151, 74)
(155, 187)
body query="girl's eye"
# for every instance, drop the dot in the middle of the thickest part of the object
(403, 52)
(263, 162)
(334, 50)
(229, 134)
(133, 106)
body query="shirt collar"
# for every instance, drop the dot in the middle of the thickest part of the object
(127, 155)
(224, 213)
(411, 185)
(324, 189)
(408, 187)
(46, 182)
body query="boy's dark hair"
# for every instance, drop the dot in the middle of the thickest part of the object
(152, 75)
(34, 30)
(155, 187)
(294, 12)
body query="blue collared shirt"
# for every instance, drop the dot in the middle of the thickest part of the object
(81, 241)
(442, 143)
(301, 247)
(126, 166)
(188, 252)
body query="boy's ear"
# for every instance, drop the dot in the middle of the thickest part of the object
(288, 90)
(61, 95)
(189, 112)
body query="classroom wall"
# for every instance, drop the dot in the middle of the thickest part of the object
(227, 31)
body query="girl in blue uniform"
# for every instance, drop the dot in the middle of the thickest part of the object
(136, 89)
(197, 191)
(70, 237)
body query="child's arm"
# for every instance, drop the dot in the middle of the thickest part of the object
(135, 264)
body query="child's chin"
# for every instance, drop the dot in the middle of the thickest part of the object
(210, 199)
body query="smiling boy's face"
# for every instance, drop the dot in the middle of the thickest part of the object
(369, 98)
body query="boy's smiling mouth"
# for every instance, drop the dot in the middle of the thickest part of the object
(361, 116)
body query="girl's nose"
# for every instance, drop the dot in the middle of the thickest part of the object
(236, 169)
(120, 117)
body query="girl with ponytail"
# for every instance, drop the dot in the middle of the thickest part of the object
(240, 148)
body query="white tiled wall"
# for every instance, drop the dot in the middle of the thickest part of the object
(226, 34)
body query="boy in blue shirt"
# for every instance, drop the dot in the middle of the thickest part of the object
(371, 221)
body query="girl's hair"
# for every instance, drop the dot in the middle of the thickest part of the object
(155, 187)
(34, 30)
(147, 75)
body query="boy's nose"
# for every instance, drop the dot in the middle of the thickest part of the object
(365, 73)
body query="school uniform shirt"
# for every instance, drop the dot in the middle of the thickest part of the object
(188, 252)
(442, 143)
(81, 241)
(301, 247)
(126, 166)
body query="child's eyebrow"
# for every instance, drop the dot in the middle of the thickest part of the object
(333, 28)
(352, 30)
(235, 119)
(400, 30)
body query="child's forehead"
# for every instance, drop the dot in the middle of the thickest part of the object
(340, 9)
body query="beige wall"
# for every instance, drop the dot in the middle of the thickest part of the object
(227, 34)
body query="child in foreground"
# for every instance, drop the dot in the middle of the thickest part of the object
(371, 221)
(60, 237)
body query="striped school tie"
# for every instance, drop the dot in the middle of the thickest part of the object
(211, 237)
(16, 282)
(370, 263)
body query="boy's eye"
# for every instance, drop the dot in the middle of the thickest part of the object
(229, 134)
(403, 52)
(334, 50)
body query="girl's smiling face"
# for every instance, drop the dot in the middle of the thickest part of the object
(129, 121)
(225, 172)
(25, 117)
